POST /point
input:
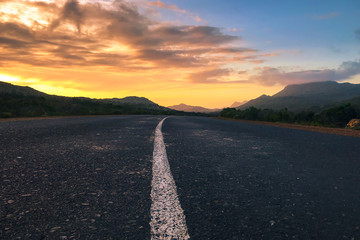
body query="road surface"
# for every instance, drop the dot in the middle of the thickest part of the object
(91, 178)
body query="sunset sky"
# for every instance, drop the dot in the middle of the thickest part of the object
(207, 53)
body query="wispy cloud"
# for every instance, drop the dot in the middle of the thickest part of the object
(116, 35)
(70, 12)
(216, 76)
(276, 76)
(209, 76)
(160, 4)
(327, 16)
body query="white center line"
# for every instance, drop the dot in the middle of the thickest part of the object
(167, 216)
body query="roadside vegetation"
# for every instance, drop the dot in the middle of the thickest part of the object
(337, 116)
(19, 101)
(42, 106)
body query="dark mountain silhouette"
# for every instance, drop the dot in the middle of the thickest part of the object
(133, 100)
(311, 96)
(7, 88)
(188, 108)
(237, 104)
(18, 101)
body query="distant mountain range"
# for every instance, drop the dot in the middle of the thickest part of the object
(238, 104)
(129, 100)
(7, 88)
(311, 96)
(132, 100)
(187, 108)
(18, 101)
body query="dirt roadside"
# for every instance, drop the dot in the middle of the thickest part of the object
(338, 131)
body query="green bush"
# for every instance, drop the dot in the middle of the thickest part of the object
(6, 115)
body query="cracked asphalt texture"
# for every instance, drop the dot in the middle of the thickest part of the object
(90, 178)
(76, 178)
(244, 181)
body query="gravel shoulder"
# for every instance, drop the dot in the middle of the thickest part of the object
(337, 131)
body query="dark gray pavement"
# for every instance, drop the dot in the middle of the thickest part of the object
(90, 178)
(243, 181)
(76, 178)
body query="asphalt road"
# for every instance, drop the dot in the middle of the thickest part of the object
(90, 178)
(77, 178)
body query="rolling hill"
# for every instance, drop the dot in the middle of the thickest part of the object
(10, 89)
(133, 100)
(18, 101)
(311, 96)
(187, 108)
(130, 100)
(237, 104)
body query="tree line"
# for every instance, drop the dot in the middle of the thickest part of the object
(337, 116)
(39, 106)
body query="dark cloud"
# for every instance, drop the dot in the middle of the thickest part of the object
(205, 31)
(192, 35)
(16, 31)
(70, 12)
(12, 43)
(61, 38)
(348, 69)
(71, 53)
(98, 28)
(125, 23)
(169, 58)
(111, 59)
(234, 50)
(273, 76)
(209, 76)
(213, 76)
(37, 61)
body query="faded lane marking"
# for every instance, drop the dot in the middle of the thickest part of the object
(167, 216)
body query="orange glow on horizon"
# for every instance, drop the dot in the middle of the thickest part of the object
(100, 50)
(107, 49)
(223, 95)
